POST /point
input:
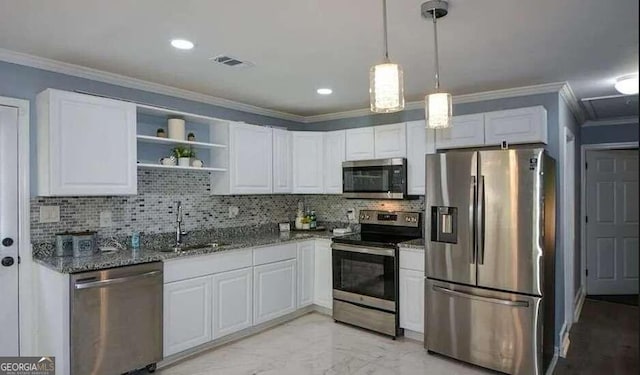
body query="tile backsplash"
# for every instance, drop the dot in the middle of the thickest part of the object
(153, 209)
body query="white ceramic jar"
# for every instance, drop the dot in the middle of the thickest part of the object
(176, 129)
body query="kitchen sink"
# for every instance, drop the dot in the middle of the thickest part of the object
(211, 245)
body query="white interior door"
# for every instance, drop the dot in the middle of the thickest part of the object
(612, 226)
(9, 231)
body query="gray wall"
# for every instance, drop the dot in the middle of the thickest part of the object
(22, 82)
(610, 133)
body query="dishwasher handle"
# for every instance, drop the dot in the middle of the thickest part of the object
(119, 280)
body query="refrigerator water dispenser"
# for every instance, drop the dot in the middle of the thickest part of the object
(444, 224)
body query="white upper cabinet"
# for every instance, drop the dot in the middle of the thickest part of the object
(250, 161)
(390, 141)
(334, 155)
(86, 145)
(522, 125)
(282, 162)
(420, 141)
(465, 131)
(360, 143)
(308, 162)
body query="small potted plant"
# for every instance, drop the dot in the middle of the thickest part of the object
(184, 155)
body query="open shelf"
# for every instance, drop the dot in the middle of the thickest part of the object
(160, 166)
(169, 141)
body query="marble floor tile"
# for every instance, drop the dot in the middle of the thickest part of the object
(315, 344)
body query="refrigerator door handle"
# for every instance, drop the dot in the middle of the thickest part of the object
(481, 298)
(473, 200)
(480, 213)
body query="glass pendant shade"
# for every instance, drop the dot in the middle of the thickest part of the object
(438, 110)
(386, 88)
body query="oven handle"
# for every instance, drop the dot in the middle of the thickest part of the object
(364, 250)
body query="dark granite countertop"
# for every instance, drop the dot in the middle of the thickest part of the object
(128, 257)
(413, 244)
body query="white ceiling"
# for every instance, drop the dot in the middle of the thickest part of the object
(300, 45)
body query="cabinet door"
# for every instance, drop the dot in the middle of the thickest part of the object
(465, 131)
(412, 300)
(334, 155)
(306, 260)
(274, 290)
(232, 301)
(86, 145)
(323, 284)
(282, 167)
(250, 154)
(390, 141)
(308, 162)
(522, 125)
(187, 314)
(360, 143)
(420, 141)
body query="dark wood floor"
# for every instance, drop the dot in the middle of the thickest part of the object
(604, 341)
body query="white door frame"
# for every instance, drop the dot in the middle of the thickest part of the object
(583, 210)
(568, 222)
(26, 327)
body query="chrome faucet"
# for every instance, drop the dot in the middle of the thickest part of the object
(179, 231)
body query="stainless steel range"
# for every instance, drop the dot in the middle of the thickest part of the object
(365, 270)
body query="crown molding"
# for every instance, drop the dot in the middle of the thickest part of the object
(562, 88)
(615, 121)
(570, 99)
(134, 83)
(121, 80)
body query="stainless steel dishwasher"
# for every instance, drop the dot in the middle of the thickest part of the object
(116, 319)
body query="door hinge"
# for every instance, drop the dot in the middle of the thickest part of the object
(586, 165)
(19, 260)
(586, 219)
(586, 272)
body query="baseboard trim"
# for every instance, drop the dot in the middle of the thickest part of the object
(322, 310)
(578, 303)
(413, 335)
(190, 353)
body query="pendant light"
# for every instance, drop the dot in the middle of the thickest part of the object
(438, 106)
(386, 87)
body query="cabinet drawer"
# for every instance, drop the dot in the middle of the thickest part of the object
(270, 254)
(412, 259)
(181, 269)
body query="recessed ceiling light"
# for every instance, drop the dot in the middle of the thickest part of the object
(324, 91)
(182, 44)
(627, 85)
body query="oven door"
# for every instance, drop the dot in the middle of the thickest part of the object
(375, 179)
(365, 276)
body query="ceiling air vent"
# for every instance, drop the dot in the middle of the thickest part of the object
(231, 61)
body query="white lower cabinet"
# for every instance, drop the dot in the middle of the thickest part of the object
(412, 300)
(232, 301)
(187, 314)
(306, 260)
(323, 276)
(274, 290)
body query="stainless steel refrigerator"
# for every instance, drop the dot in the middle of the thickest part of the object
(490, 245)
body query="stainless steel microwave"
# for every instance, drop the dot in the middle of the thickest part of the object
(375, 179)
